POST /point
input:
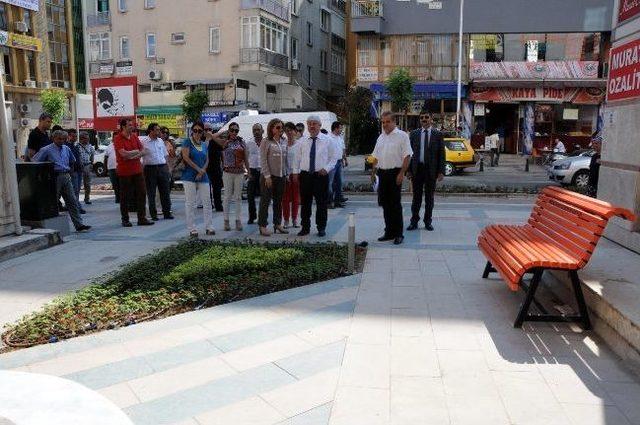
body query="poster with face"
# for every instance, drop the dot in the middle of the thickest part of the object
(116, 101)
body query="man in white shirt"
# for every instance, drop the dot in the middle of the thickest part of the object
(335, 176)
(559, 147)
(313, 165)
(392, 154)
(253, 185)
(110, 159)
(156, 171)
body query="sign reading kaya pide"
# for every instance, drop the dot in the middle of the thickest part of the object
(624, 72)
(628, 9)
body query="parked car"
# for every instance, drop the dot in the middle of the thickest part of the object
(99, 164)
(458, 155)
(573, 170)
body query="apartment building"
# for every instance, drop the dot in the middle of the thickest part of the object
(545, 63)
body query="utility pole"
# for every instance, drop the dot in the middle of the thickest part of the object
(459, 95)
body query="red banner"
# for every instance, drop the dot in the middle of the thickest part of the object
(113, 99)
(85, 123)
(624, 72)
(583, 96)
(628, 9)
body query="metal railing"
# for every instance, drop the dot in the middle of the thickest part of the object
(99, 19)
(339, 5)
(366, 8)
(272, 6)
(264, 57)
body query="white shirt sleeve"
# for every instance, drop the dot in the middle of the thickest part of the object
(331, 163)
(297, 159)
(406, 146)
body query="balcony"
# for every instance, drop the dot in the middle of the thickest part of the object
(367, 16)
(273, 7)
(261, 56)
(339, 5)
(99, 19)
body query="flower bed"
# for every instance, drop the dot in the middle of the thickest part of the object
(187, 276)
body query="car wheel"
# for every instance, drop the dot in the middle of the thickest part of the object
(581, 179)
(99, 169)
(449, 169)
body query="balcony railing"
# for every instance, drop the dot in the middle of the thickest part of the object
(339, 5)
(264, 57)
(272, 6)
(99, 19)
(366, 8)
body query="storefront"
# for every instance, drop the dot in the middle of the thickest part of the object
(437, 98)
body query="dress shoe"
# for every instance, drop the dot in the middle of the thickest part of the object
(126, 224)
(322, 233)
(251, 221)
(398, 240)
(82, 211)
(169, 217)
(385, 238)
(428, 227)
(339, 205)
(154, 218)
(343, 199)
(303, 232)
(412, 226)
(87, 202)
(83, 228)
(145, 223)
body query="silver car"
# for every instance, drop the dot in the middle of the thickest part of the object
(573, 170)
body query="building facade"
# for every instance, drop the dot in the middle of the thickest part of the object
(619, 181)
(535, 73)
(247, 54)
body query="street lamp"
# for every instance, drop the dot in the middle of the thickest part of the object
(459, 94)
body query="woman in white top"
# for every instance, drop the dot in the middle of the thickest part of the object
(291, 198)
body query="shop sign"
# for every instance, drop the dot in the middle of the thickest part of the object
(113, 99)
(624, 72)
(124, 67)
(628, 9)
(478, 110)
(585, 96)
(369, 73)
(106, 68)
(25, 4)
(174, 122)
(216, 119)
(20, 41)
(560, 70)
(85, 123)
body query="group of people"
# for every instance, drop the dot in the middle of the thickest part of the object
(72, 163)
(288, 169)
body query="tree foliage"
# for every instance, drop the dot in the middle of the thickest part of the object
(399, 85)
(54, 102)
(194, 103)
(363, 128)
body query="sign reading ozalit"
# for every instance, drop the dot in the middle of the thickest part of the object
(628, 9)
(624, 72)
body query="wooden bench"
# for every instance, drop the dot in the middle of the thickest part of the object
(561, 234)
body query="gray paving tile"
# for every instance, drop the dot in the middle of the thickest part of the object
(317, 416)
(311, 362)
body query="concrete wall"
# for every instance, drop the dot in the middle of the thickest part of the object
(620, 172)
(510, 16)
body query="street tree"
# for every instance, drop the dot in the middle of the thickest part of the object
(54, 102)
(194, 103)
(399, 85)
(363, 126)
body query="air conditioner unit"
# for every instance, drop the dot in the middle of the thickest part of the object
(155, 75)
(21, 26)
(24, 108)
(30, 84)
(295, 65)
(24, 122)
(45, 84)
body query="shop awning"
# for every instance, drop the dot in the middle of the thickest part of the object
(228, 80)
(533, 83)
(159, 110)
(445, 90)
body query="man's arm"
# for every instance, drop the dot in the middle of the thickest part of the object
(41, 156)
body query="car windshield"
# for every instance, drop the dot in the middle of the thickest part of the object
(455, 145)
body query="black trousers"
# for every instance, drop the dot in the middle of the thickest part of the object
(215, 189)
(389, 194)
(115, 184)
(268, 196)
(157, 176)
(313, 186)
(132, 190)
(253, 190)
(422, 184)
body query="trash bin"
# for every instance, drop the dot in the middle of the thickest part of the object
(37, 191)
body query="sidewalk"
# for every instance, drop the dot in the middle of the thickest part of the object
(418, 338)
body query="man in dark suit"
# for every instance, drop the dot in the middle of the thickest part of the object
(426, 168)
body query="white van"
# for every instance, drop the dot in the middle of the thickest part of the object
(246, 122)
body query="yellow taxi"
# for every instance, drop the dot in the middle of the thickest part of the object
(458, 155)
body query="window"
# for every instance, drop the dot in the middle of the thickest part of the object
(309, 72)
(179, 86)
(265, 34)
(214, 39)
(6, 61)
(294, 48)
(309, 33)
(338, 63)
(177, 38)
(124, 48)
(122, 5)
(58, 46)
(149, 4)
(31, 64)
(325, 20)
(250, 32)
(151, 45)
(26, 17)
(295, 7)
(144, 88)
(102, 6)
(99, 46)
(323, 60)
(3, 17)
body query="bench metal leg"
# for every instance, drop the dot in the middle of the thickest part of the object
(488, 269)
(582, 305)
(531, 292)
